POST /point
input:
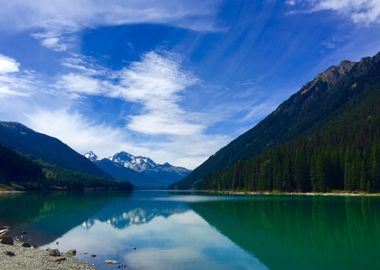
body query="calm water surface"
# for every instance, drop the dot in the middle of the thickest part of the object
(159, 230)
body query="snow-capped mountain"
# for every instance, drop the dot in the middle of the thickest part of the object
(136, 163)
(140, 164)
(91, 156)
(140, 171)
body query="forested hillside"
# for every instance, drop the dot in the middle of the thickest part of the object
(17, 168)
(323, 138)
(40, 146)
(18, 172)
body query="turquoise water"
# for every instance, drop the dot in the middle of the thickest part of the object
(160, 230)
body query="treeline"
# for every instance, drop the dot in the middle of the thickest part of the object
(62, 178)
(15, 167)
(343, 154)
(21, 172)
(304, 168)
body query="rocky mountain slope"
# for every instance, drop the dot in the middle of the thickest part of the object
(141, 171)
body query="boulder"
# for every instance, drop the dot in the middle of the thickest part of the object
(4, 231)
(26, 245)
(54, 252)
(9, 253)
(71, 253)
(7, 240)
(59, 259)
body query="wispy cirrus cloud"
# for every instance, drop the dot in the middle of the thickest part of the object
(359, 11)
(155, 82)
(55, 22)
(12, 81)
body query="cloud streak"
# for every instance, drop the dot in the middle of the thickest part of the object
(362, 12)
(55, 22)
(13, 82)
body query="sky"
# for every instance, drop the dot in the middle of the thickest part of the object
(171, 80)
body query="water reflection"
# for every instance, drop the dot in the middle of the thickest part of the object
(157, 230)
(47, 216)
(147, 231)
(303, 232)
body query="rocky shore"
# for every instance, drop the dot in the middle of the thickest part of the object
(20, 255)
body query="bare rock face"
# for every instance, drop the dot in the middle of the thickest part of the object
(335, 73)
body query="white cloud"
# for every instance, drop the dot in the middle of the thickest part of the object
(83, 135)
(359, 11)
(52, 41)
(155, 83)
(78, 132)
(55, 21)
(8, 65)
(78, 83)
(14, 82)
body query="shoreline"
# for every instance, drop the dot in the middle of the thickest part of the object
(271, 193)
(325, 194)
(16, 256)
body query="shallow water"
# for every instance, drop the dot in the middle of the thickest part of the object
(160, 230)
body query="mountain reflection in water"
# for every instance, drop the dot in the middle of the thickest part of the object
(158, 230)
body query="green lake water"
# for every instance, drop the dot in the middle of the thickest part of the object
(160, 230)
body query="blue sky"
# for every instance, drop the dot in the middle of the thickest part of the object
(172, 80)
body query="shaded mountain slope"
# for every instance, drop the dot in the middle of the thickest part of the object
(26, 141)
(337, 99)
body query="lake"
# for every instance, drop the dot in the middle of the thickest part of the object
(161, 230)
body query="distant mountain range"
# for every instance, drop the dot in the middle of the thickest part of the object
(324, 137)
(141, 171)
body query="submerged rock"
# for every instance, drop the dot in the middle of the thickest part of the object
(110, 261)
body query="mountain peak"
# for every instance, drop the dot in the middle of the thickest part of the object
(136, 163)
(334, 73)
(91, 156)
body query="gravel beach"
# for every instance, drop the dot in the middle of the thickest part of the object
(18, 257)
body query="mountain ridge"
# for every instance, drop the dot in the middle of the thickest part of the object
(306, 110)
(141, 171)
(40, 146)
